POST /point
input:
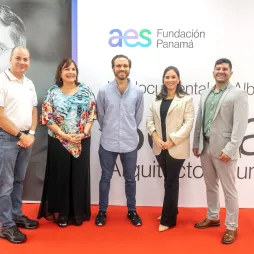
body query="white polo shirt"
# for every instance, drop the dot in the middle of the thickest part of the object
(18, 99)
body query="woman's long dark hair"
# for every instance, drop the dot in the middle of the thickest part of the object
(164, 91)
(65, 63)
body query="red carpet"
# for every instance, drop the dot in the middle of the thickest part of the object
(119, 236)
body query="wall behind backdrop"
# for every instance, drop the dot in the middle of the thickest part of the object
(191, 35)
(49, 38)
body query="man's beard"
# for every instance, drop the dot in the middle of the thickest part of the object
(120, 77)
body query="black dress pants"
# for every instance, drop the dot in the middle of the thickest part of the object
(171, 168)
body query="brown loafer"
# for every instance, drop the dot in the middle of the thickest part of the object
(229, 236)
(207, 223)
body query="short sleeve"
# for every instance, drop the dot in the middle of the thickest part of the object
(2, 96)
(35, 100)
(47, 112)
(2, 92)
(92, 113)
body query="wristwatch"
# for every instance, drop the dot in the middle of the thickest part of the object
(31, 132)
(19, 134)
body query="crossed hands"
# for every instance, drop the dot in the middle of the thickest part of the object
(163, 145)
(26, 140)
(73, 138)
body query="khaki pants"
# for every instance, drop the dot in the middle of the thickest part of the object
(215, 170)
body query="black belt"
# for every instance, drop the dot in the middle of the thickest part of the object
(207, 139)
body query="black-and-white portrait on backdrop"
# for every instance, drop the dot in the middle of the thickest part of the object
(45, 28)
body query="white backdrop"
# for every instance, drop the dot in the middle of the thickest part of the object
(196, 34)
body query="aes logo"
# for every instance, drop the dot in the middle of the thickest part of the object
(130, 38)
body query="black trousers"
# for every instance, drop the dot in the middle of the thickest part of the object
(171, 168)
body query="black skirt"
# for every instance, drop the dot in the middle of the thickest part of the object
(66, 191)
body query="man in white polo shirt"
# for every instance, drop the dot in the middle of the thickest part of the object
(18, 121)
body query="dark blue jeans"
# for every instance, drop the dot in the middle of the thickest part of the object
(13, 164)
(108, 162)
